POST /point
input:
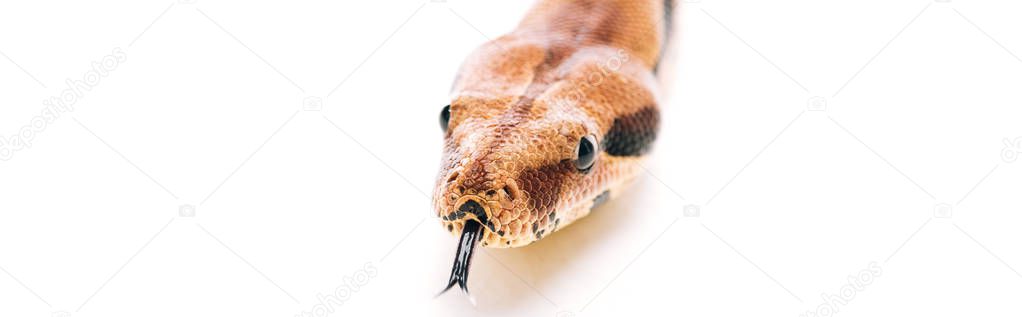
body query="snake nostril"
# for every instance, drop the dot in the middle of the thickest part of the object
(509, 192)
(453, 177)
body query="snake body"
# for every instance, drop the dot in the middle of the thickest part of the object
(549, 121)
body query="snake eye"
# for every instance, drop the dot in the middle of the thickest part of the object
(585, 155)
(445, 117)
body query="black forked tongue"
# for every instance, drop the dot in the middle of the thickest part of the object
(459, 272)
(470, 236)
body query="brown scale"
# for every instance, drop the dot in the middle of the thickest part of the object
(522, 103)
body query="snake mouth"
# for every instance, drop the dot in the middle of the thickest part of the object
(469, 208)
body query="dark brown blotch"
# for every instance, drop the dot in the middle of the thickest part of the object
(632, 134)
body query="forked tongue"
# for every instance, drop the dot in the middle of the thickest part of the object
(459, 272)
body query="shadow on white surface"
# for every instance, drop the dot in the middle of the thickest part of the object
(505, 278)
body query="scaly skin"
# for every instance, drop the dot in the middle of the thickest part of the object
(522, 102)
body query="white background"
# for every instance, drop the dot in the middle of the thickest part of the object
(207, 112)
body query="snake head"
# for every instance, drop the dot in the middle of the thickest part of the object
(511, 174)
(536, 136)
(537, 139)
(547, 122)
